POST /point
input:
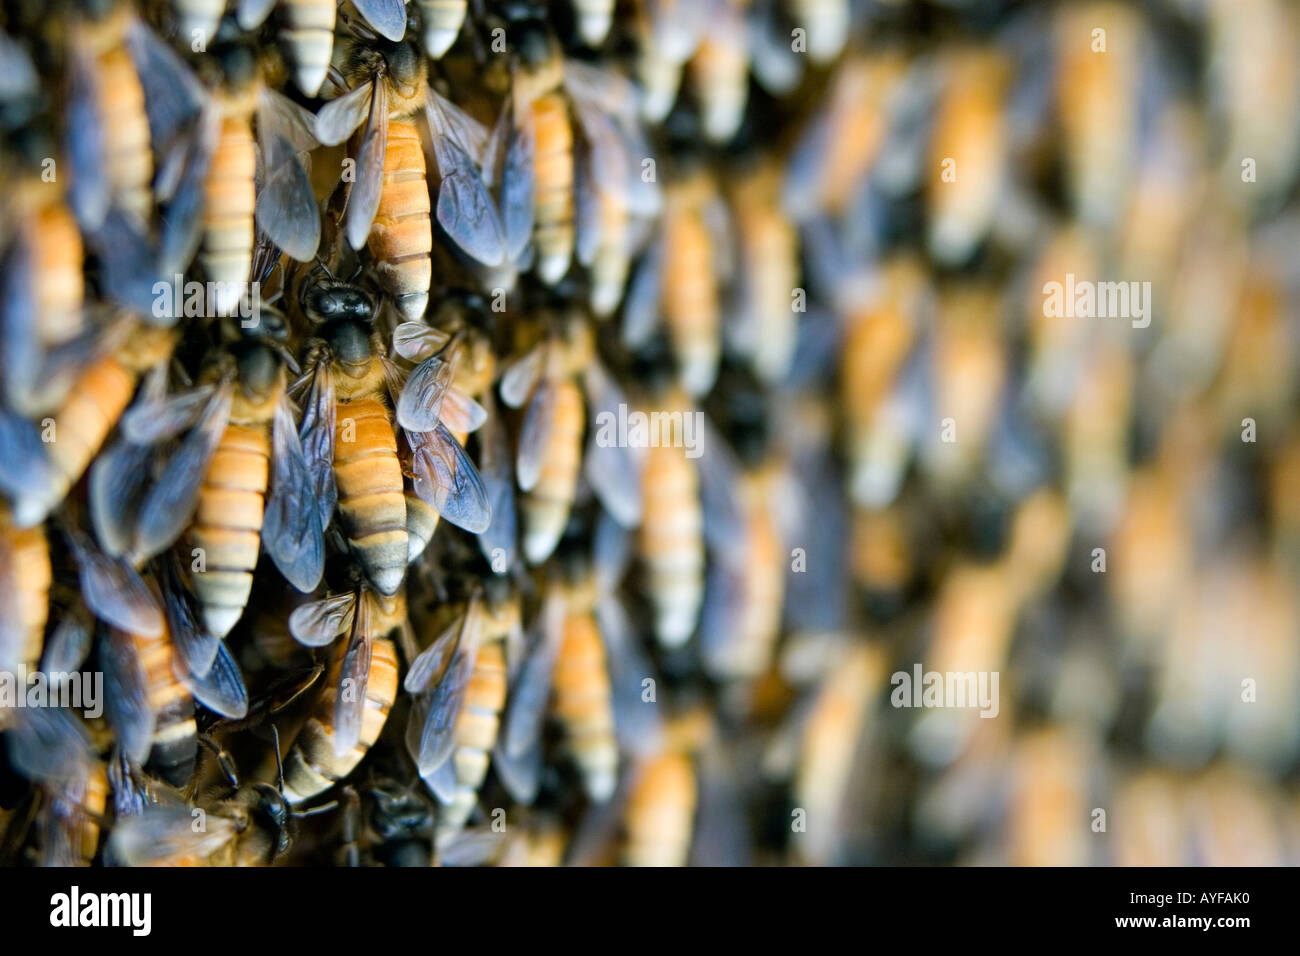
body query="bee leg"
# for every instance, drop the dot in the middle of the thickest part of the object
(224, 760)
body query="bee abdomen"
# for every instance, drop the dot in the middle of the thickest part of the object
(58, 261)
(307, 33)
(442, 22)
(197, 20)
(660, 813)
(175, 742)
(28, 586)
(476, 732)
(584, 706)
(372, 502)
(691, 301)
(90, 411)
(672, 543)
(127, 144)
(401, 237)
(546, 507)
(553, 173)
(311, 767)
(230, 199)
(228, 525)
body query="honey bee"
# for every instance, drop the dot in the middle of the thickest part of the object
(388, 206)
(360, 686)
(663, 797)
(218, 195)
(585, 661)
(455, 720)
(720, 69)
(668, 33)
(26, 574)
(39, 475)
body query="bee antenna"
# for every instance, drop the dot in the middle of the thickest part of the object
(279, 766)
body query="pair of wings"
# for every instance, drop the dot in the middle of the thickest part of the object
(130, 519)
(465, 208)
(612, 469)
(386, 17)
(319, 623)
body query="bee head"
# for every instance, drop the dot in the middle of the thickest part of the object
(271, 812)
(533, 41)
(332, 301)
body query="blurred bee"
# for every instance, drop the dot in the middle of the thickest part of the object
(584, 659)
(663, 796)
(680, 278)
(969, 142)
(25, 578)
(668, 34)
(253, 827)
(827, 24)
(387, 89)
(45, 472)
(305, 34)
(720, 69)
(218, 194)
(455, 721)
(1049, 809)
(768, 273)
(359, 688)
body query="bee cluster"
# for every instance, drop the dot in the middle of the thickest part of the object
(599, 431)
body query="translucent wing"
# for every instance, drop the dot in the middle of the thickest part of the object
(25, 468)
(126, 702)
(724, 524)
(460, 413)
(442, 778)
(527, 705)
(68, 645)
(318, 623)
(170, 503)
(173, 94)
(48, 744)
(636, 721)
(163, 835)
(88, 191)
(337, 119)
(153, 419)
(316, 432)
(465, 208)
(446, 480)
(221, 689)
(286, 206)
(432, 661)
(463, 129)
(17, 74)
(420, 402)
(128, 265)
(350, 704)
(195, 647)
(182, 222)
(388, 17)
(519, 774)
(614, 470)
(535, 435)
(517, 184)
(521, 375)
(116, 594)
(415, 341)
(291, 528)
(438, 736)
(363, 201)
(641, 302)
(499, 483)
(117, 483)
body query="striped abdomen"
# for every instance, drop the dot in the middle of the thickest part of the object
(672, 543)
(372, 503)
(228, 524)
(661, 813)
(476, 732)
(197, 20)
(584, 706)
(128, 158)
(546, 506)
(57, 258)
(307, 35)
(690, 300)
(610, 263)
(401, 237)
(553, 191)
(27, 593)
(442, 21)
(175, 743)
(229, 200)
(311, 767)
(92, 408)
